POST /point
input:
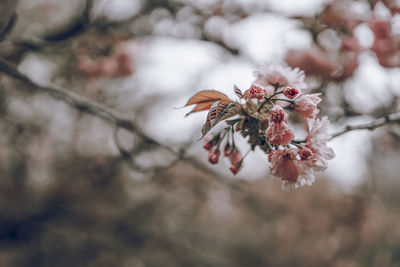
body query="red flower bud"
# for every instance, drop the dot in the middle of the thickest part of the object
(211, 141)
(256, 91)
(290, 92)
(227, 150)
(207, 146)
(235, 168)
(213, 155)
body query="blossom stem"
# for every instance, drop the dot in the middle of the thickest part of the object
(286, 100)
(269, 145)
(263, 104)
(277, 93)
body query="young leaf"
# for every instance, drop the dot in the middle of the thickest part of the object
(204, 99)
(200, 107)
(219, 111)
(237, 91)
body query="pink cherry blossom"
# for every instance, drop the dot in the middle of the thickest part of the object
(277, 114)
(293, 172)
(312, 60)
(343, 13)
(316, 141)
(306, 105)
(334, 65)
(285, 165)
(279, 134)
(386, 44)
(269, 76)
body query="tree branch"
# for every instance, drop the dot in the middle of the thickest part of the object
(391, 118)
(369, 126)
(101, 111)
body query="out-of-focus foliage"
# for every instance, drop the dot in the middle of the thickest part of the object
(78, 190)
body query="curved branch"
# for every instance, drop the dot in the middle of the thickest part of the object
(395, 117)
(83, 104)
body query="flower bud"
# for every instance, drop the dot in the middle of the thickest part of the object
(236, 159)
(256, 91)
(211, 141)
(235, 156)
(290, 92)
(235, 168)
(213, 155)
(227, 150)
(277, 114)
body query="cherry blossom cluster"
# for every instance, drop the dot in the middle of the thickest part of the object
(262, 117)
(338, 58)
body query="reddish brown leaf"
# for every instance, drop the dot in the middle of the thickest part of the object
(200, 107)
(204, 99)
(219, 111)
(206, 96)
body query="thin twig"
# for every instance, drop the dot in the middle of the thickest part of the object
(391, 118)
(369, 126)
(99, 110)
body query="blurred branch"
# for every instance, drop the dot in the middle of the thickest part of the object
(8, 16)
(79, 25)
(9, 26)
(391, 118)
(101, 111)
(369, 126)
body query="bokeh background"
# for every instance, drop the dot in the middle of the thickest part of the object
(76, 190)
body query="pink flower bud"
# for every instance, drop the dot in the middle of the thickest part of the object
(236, 159)
(211, 141)
(207, 146)
(213, 155)
(279, 134)
(277, 114)
(235, 168)
(290, 92)
(306, 105)
(227, 150)
(235, 156)
(256, 91)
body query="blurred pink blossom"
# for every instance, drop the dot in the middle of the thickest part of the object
(306, 105)
(386, 45)
(273, 76)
